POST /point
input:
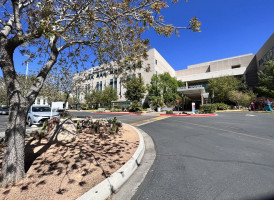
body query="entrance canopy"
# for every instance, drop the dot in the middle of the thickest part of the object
(196, 92)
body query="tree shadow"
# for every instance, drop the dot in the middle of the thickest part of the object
(30, 156)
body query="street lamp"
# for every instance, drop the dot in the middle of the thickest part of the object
(27, 67)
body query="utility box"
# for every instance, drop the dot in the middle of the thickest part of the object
(193, 108)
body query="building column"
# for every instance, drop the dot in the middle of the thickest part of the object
(186, 85)
(202, 99)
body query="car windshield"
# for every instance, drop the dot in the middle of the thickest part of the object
(40, 109)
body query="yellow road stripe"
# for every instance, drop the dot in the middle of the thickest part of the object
(219, 129)
(147, 120)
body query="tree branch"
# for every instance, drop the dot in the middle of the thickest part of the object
(17, 20)
(8, 27)
(81, 42)
(39, 80)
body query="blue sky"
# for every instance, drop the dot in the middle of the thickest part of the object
(229, 28)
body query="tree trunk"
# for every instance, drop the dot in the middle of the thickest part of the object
(13, 159)
(13, 165)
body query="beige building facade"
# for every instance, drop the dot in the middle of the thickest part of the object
(99, 77)
(195, 76)
(247, 66)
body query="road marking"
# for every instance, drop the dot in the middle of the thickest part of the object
(250, 115)
(146, 121)
(229, 131)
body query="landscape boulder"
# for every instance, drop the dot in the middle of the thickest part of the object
(64, 133)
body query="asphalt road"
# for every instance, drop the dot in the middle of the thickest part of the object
(230, 156)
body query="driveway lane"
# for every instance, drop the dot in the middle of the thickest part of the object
(197, 162)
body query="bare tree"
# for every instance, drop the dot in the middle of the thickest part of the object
(67, 33)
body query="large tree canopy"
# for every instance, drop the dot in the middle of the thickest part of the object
(67, 33)
(220, 87)
(165, 86)
(135, 89)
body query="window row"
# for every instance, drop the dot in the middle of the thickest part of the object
(268, 56)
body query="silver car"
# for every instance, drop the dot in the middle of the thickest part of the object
(4, 111)
(38, 114)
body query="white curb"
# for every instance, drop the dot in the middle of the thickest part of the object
(28, 131)
(108, 186)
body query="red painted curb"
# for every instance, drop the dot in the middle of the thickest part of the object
(203, 115)
(118, 113)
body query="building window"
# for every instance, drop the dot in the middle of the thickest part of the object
(208, 69)
(44, 101)
(156, 62)
(120, 93)
(111, 83)
(101, 86)
(38, 101)
(97, 86)
(87, 89)
(235, 66)
(115, 84)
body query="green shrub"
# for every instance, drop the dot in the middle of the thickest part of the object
(84, 106)
(169, 112)
(42, 132)
(208, 108)
(222, 106)
(135, 107)
(116, 110)
(156, 103)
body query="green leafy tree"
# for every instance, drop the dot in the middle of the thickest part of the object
(93, 98)
(153, 88)
(169, 87)
(240, 98)
(104, 97)
(62, 34)
(165, 86)
(221, 87)
(135, 89)
(266, 80)
(107, 95)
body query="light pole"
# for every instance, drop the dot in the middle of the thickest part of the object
(27, 69)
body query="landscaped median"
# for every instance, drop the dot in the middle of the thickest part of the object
(190, 115)
(92, 166)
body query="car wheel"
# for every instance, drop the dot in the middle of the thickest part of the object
(29, 122)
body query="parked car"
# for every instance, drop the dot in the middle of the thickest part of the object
(38, 114)
(4, 111)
